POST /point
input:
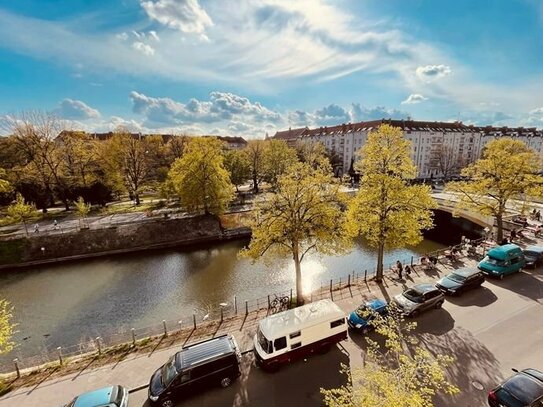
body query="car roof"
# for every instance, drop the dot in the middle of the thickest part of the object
(424, 287)
(501, 252)
(466, 271)
(95, 398)
(201, 351)
(524, 386)
(376, 303)
(536, 249)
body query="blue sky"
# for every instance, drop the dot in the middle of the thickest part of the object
(251, 67)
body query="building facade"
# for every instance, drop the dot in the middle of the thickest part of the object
(438, 149)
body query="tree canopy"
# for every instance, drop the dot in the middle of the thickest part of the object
(238, 165)
(303, 214)
(199, 177)
(20, 211)
(507, 170)
(387, 211)
(397, 374)
(277, 157)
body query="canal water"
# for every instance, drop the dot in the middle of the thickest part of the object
(67, 303)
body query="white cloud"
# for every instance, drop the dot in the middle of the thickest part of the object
(143, 48)
(413, 99)
(122, 36)
(153, 35)
(220, 106)
(76, 110)
(431, 72)
(186, 16)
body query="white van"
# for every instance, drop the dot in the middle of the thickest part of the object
(298, 332)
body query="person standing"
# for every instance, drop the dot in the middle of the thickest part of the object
(399, 267)
(538, 215)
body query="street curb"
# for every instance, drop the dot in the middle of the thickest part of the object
(144, 386)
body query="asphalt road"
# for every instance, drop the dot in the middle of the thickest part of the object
(489, 331)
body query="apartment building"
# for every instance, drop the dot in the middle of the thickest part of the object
(437, 148)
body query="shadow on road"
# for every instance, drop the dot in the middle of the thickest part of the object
(435, 322)
(474, 365)
(296, 384)
(479, 297)
(528, 283)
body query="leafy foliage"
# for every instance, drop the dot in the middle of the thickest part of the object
(396, 374)
(277, 157)
(387, 211)
(21, 211)
(303, 214)
(507, 170)
(255, 154)
(238, 165)
(82, 209)
(200, 179)
(6, 326)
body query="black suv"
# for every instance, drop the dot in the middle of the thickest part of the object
(523, 389)
(208, 363)
(461, 280)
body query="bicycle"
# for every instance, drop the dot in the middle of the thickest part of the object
(279, 303)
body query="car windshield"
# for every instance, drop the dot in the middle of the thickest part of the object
(169, 372)
(413, 295)
(493, 261)
(363, 311)
(264, 343)
(530, 253)
(456, 277)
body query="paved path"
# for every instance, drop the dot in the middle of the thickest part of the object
(489, 331)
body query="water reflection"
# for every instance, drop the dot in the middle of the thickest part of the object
(72, 301)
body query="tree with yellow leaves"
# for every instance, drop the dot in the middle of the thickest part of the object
(200, 179)
(507, 170)
(387, 211)
(397, 374)
(20, 211)
(304, 213)
(277, 157)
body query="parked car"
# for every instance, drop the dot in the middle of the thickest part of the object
(503, 260)
(360, 318)
(523, 389)
(209, 363)
(461, 280)
(298, 332)
(112, 396)
(419, 298)
(533, 255)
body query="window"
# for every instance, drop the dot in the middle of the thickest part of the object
(295, 345)
(280, 343)
(337, 323)
(295, 334)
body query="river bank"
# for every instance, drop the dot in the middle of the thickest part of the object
(153, 234)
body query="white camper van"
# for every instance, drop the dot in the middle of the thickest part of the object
(298, 332)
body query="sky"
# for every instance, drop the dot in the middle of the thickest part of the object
(254, 67)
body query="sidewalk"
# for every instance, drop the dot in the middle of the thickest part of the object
(136, 369)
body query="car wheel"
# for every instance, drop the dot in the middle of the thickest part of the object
(439, 304)
(272, 367)
(225, 382)
(167, 403)
(501, 277)
(414, 314)
(324, 348)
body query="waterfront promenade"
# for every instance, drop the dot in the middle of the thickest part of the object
(489, 331)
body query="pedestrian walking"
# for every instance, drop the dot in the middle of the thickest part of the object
(36, 228)
(407, 269)
(55, 225)
(399, 268)
(538, 215)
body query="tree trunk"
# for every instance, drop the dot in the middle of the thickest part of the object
(137, 198)
(379, 271)
(255, 183)
(66, 205)
(26, 227)
(296, 257)
(499, 223)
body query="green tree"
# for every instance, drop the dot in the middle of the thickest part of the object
(21, 211)
(314, 153)
(199, 177)
(303, 214)
(387, 211)
(82, 209)
(6, 327)
(255, 153)
(5, 185)
(238, 165)
(507, 170)
(396, 374)
(277, 157)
